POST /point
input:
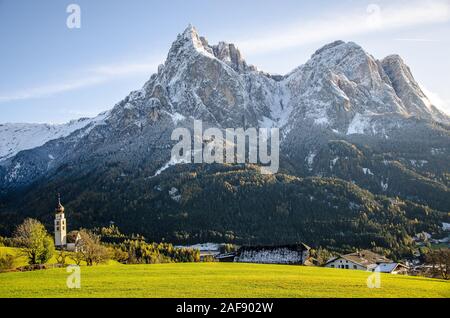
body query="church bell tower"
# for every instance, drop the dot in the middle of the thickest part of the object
(60, 225)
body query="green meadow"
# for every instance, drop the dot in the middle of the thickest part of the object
(215, 280)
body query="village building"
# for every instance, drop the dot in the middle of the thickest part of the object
(73, 240)
(64, 241)
(297, 254)
(393, 268)
(367, 261)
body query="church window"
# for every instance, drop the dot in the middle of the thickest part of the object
(57, 228)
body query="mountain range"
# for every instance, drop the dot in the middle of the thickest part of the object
(357, 134)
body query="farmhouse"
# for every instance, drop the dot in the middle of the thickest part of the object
(368, 261)
(393, 268)
(297, 254)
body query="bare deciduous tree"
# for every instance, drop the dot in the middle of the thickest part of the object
(61, 257)
(90, 250)
(77, 257)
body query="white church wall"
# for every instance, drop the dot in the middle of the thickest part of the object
(60, 230)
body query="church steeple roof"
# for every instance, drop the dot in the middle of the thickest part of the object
(59, 206)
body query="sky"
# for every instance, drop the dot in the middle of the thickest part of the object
(52, 73)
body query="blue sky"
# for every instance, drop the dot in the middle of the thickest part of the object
(50, 73)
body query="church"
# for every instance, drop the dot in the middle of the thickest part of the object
(64, 241)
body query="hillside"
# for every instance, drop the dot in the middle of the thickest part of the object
(217, 280)
(190, 204)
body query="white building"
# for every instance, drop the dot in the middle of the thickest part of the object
(392, 268)
(60, 226)
(63, 240)
(367, 261)
(297, 254)
(73, 239)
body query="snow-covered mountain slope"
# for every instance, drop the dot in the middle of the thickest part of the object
(18, 137)
(212, 83)
(409, 91)
(342, 84)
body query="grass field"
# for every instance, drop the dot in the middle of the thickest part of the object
(215, 280)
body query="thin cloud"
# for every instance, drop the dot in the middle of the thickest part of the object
(51, 89)
(119, 70)
(416, 40)
(436, 100)
(90, 77)
(375, 18)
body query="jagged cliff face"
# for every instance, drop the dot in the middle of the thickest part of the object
(212, 83)
(408, 90)
(340, 82)
(342, 114)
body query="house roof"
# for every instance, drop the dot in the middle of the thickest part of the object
(293, 247)
(364, 258)
(389, 267)
(72, 237)
(226, 256)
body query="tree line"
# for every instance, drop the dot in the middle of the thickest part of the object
(36, 245)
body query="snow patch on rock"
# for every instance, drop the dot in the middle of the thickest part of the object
(359, 125)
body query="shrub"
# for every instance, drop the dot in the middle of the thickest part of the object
(37, 245)
(7, 262)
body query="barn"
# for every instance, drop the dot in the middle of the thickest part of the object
(297, 254)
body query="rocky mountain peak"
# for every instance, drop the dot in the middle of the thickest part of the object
(191, 43)
(187, 43)
(409, 91)
(346, 58)
(329, 46)
(230, 54)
